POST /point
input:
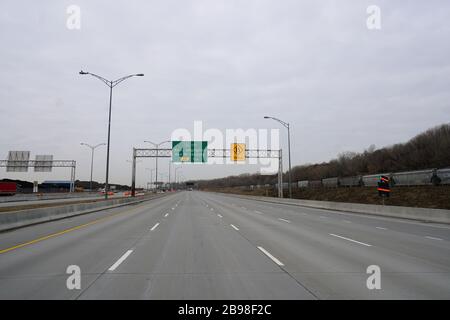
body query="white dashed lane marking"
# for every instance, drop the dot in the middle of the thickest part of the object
(348, 239)
(433, 238)
(121, 259)
(267, 253)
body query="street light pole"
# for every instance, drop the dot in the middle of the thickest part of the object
(111, 84)
(176, 182)
(92, 158)
(286, 125)
(156, 160)
(169, 174)
(151, 175)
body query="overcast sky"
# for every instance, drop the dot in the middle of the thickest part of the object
(227, 63)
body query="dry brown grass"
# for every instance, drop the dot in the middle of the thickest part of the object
(437, 197)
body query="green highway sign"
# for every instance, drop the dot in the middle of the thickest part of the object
(189, 151)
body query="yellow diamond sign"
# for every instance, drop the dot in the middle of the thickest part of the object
(237, 152)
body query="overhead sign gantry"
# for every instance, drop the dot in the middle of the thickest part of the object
(198, 152)
(18, 161)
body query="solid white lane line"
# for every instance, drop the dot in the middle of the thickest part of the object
(173, 208)
(154, 227)
(347, 221)
(433, 238)
(267, 253)
(234, 227)
(166, 215)
(258, 212)
(348, 239)
(284, 220)
(121, 259)
(381, 228)
(220, 216)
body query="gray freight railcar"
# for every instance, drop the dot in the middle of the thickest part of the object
(285, 185)
(414, 178)
(330, 182)
(373, 179)
(443, 175)
(315, 183)
(355, 181)
(303, 184)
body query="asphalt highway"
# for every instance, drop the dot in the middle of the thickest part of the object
(196, 245)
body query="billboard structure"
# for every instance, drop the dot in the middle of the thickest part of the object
(43, 163)
(18, 161)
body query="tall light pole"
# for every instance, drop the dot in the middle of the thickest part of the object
(170, 164)
(151, 174)
(286, 125)
(176, 182)
(92, 158)
(111, 84)
(156, 165)
(162, 175)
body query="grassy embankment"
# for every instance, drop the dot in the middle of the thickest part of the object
(437, 197)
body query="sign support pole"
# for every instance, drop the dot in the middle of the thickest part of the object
(73, 178)
(280, 175)
(133, 175)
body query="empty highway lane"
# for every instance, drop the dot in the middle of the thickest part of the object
(197, 245)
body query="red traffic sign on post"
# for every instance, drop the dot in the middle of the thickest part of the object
(384, 188)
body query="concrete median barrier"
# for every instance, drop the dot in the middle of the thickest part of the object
(421, 214)
(16, 219)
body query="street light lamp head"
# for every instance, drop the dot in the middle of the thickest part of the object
(83, 72)
(139, 75)
(266, 117)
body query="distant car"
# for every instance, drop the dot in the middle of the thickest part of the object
(110, 193)
(190, 189)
